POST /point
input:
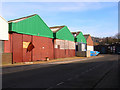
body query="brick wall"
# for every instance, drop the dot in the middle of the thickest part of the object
(6, 58)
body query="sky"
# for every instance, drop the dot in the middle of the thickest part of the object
(99, 19)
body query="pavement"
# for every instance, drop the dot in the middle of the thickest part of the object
(10, 68)
(92, 73)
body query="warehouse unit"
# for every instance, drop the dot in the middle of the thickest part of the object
(89, 40)
(5, 58)
(80, 41)
(80, 44)
(64, 45)
(30, 39)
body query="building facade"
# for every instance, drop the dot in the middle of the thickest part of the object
(64, 45)
(3, 36)
(89, 40)
(80, 41)
(30, 39)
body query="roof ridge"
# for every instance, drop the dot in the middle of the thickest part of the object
(75, 34)
(86, 34)
(4, 19)
(59, 28)
(22, 18)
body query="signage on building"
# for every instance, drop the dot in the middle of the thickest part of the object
(25, 44)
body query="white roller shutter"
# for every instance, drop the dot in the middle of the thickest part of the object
(3, 29)
(91, 48)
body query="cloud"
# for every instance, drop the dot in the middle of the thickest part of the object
(51, 8)
(55, 14)
(82, 7)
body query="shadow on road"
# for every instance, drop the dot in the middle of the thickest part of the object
(94, 73)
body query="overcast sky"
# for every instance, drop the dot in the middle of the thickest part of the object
(97, 19)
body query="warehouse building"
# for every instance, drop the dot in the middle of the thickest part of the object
(64, 45)
(89, 41)
(80, 45)
(30, 39)
(80, 41)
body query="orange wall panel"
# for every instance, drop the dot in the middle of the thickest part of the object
(89, 41)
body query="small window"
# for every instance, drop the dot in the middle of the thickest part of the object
(58, 46)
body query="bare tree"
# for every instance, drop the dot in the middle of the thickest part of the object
(110, 40)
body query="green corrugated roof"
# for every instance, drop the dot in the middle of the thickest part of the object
(80, 38)
(31, 25)
(63, 33)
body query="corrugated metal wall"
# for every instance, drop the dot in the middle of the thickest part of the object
(31, 26)
(64, 34)
(89, 41)
(80, 38)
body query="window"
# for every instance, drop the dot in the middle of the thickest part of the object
(58, 46)
(76, 47)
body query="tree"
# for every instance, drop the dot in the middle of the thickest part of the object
(110, 40)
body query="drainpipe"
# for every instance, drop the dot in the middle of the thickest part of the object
(54, 37)
(53, 48)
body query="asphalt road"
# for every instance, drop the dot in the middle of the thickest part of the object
(94, 73)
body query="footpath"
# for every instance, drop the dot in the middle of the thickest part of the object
(11, 68)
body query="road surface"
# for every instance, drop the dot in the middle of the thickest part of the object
(94, 73)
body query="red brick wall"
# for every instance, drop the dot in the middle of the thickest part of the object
(17, 40)
(27, 54)
(43, 48)
(62, 53)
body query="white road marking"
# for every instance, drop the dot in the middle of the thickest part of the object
(77, 74)
(60, 83)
